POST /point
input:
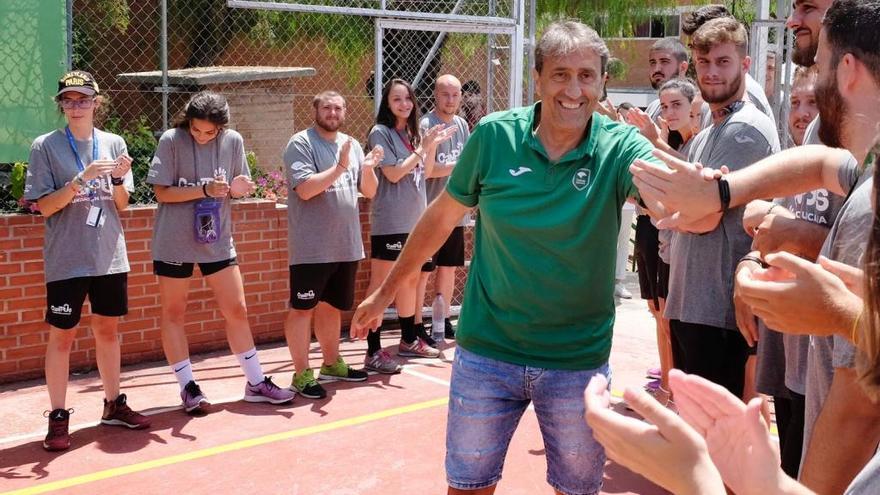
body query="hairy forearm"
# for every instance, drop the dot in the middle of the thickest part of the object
(787, 173)
(844, 438)
(175, 194)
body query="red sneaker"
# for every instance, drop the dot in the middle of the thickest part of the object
(58, 438)
(117, 413)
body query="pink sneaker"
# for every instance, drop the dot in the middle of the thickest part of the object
(418, 348)
(266, 391)
(382, 362)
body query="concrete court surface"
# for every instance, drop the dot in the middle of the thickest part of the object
(384, 436)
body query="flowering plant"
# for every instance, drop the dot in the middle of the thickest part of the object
(271, 185)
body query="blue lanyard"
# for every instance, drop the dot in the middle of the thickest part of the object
(79, 162)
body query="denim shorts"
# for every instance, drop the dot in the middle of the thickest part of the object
(487, 398)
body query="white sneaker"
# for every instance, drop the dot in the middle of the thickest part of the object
(621, 292)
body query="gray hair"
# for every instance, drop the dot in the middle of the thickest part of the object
(562, 38)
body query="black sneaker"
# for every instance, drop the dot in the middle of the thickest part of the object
(58, 437)
(449, 330)
(422, 333)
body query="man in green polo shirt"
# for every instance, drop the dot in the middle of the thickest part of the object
(538, 314)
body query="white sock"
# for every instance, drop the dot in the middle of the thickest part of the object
(250, 364)
(183, 371)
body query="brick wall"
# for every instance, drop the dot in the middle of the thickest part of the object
(261, 241)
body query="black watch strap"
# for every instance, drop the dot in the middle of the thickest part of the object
(724, 193)
(117, 181)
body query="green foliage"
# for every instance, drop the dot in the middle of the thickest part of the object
(17, 178)
(141, 147)
(606, 16)
(12, 179)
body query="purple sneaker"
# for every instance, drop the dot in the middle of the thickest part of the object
(653, 373)
(194, 401)
(266, 391)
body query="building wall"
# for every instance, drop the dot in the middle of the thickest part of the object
(260, 239)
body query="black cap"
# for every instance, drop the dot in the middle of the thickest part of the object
(79, 81)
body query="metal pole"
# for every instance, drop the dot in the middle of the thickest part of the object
(377, 70)
(490, 69)
(69, 34)
(434, 49)
(528, 70)
(164, 62)
(517, 56)
(785, 79)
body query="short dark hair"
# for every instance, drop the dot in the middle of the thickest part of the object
(692, 21)
(853, 26)
(205, 105)
(564, 37)
(673, 46)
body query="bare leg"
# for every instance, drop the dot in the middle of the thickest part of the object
(420, 294)
(328, 326)
(229, 292)
(297, 331)
(58, 365)
(107, 353)
(173, 293)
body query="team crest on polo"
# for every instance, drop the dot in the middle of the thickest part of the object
(581, 179)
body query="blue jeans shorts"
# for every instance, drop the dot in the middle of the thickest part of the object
(487, 398)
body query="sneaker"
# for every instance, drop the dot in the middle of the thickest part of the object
(382, 362)
(653, 373)
(117, 413)
(340, 370)
(423, 334)
(266, 391)
(193, 399)
(305, 384)
(449, 330)
(418, 348)
(621, 292)
(58, 438)
(653, 385)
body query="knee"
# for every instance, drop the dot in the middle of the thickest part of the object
(104, 330)
(237, 311)
(60, 340)
(174, 312)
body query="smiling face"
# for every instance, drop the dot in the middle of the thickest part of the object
(400, 103)
(447, 96)
(675, 109)
(203, 131)
(805, 22)
(570, 87)
(720, 73)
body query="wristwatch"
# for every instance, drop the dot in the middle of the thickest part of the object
(117, 181)
(77, 182)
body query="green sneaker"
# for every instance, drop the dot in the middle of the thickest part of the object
(340, 370)
(305, 384)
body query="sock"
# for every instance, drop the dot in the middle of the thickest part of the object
(374, 342)
(250, 364)
(407, 328)
(183, 371)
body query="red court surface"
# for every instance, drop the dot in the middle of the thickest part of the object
(384, 436)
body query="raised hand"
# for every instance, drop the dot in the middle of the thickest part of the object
(344, 152)
(438, 134)
(643, 122)
(123, 165)
(98, 168)
(242, 185)
(662, 449)
(218, 188)
(374, 157)
(799, 297)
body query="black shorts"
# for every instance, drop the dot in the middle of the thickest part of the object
(108, 295)
(174, 269)
(653, 272)
(388, 248)
(451, 253)
(717, 354)
(332, 283)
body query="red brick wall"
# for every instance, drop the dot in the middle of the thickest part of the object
(261, 241)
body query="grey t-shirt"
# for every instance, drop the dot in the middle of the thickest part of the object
(180, 161)
(846, 243)
(327, 227)
(446, 152)
(702, 269)
(72, 248)
(867, 482)
(820, 207)
(397, 206)
(653, 110)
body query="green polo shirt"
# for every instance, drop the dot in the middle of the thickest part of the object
(540, 288)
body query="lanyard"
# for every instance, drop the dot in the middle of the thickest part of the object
(405, 140)
(70, 141)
